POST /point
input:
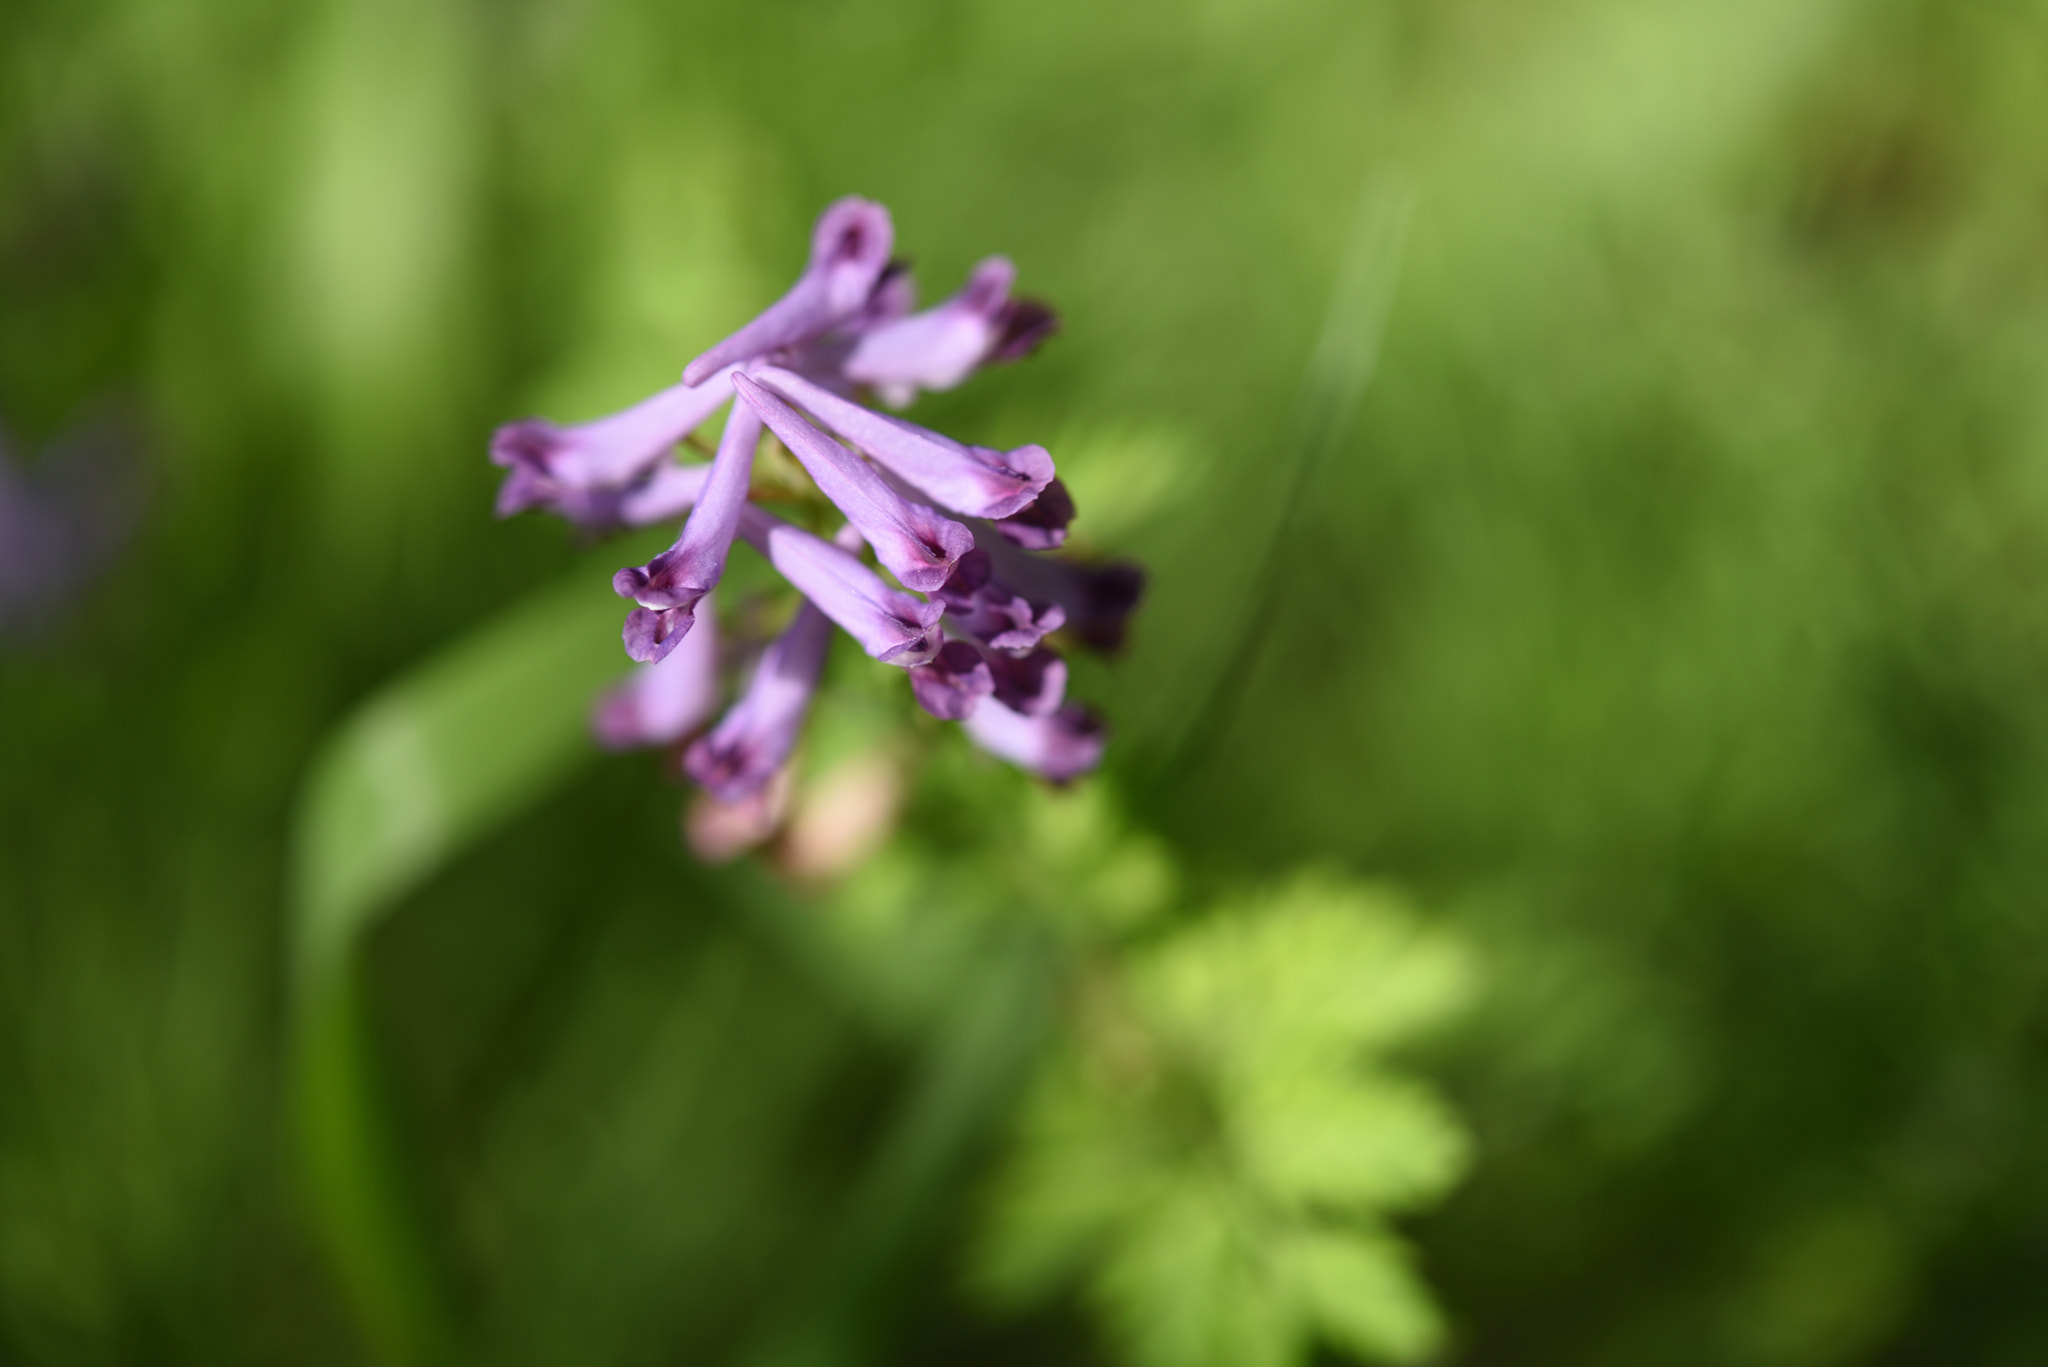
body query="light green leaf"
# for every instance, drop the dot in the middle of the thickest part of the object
(1360, 1295)
(1316, 968)
(1189, 1286)
(1350, 1141)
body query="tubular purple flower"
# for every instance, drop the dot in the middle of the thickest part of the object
(849, 252)
(892, 626)
(661, 703)
(978, 606)
(581, 471)
(951, 520)
(671, 584)
(1033, 684)
(953, 683)
(1041, 526)
(668, 492)
(915, 542)
(971, 480)
(1024, 327)
(940, 347)
(1098, 599)
(1061, 746)
(753, 739)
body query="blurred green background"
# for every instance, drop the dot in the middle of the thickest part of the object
(1671, 625)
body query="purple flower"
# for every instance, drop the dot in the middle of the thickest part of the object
(971, 480)
(942, 346)
(849, 252)
(1097, 600)
(978, 606)
(1033, 684)
(63, 517)
(892, 626)
(737, 757)
(955, 680)
(584, 472)
(951, 520)
(670, 491)
(661, 703)
(1042, 525)
(669, 586)
(1061, 746)
(915, 542)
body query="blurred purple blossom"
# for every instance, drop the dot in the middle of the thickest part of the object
(63, 517)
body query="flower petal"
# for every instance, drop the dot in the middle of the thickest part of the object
(661, 703)
(892, 626)
(953, 683)
(691, 568)
(737, 757)
(669, 491)
(1033, 684)
(849, 253)
(915, 542)
(580, 472)
(972, 480)
(1042, 525)
(1097, 599)
(1061, 746)
(940, 347)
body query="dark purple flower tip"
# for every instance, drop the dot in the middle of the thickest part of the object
(1042, 526)
(940, 347)
(628, 582)
(970, 573)
(920, 648)
(523, 487)
(659, 704)
(1109, 595)
(849, 251)
(1060, 746)
(751, 742)
(1033, 684)
(529, 443)
(663, 582)
(730, 771)
(852, 247)
(894, 294)
(996, 617)
(1097, 599)
(585, 472)
(953, 683)
(651, 633)
(1023, 327)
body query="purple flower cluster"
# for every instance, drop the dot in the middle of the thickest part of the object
(958, 528)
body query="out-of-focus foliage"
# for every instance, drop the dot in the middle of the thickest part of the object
(1672, 625)
(1212, 1144)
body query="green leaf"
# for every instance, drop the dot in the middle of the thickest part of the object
(417, 773)
(1359, 1293)
(1346, 1140)
(1315, 968)
(444, 755)
(1188, 1286)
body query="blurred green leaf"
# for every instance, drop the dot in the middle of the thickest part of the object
(1212, 1150)
(1360, 1294)
(422, 769)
